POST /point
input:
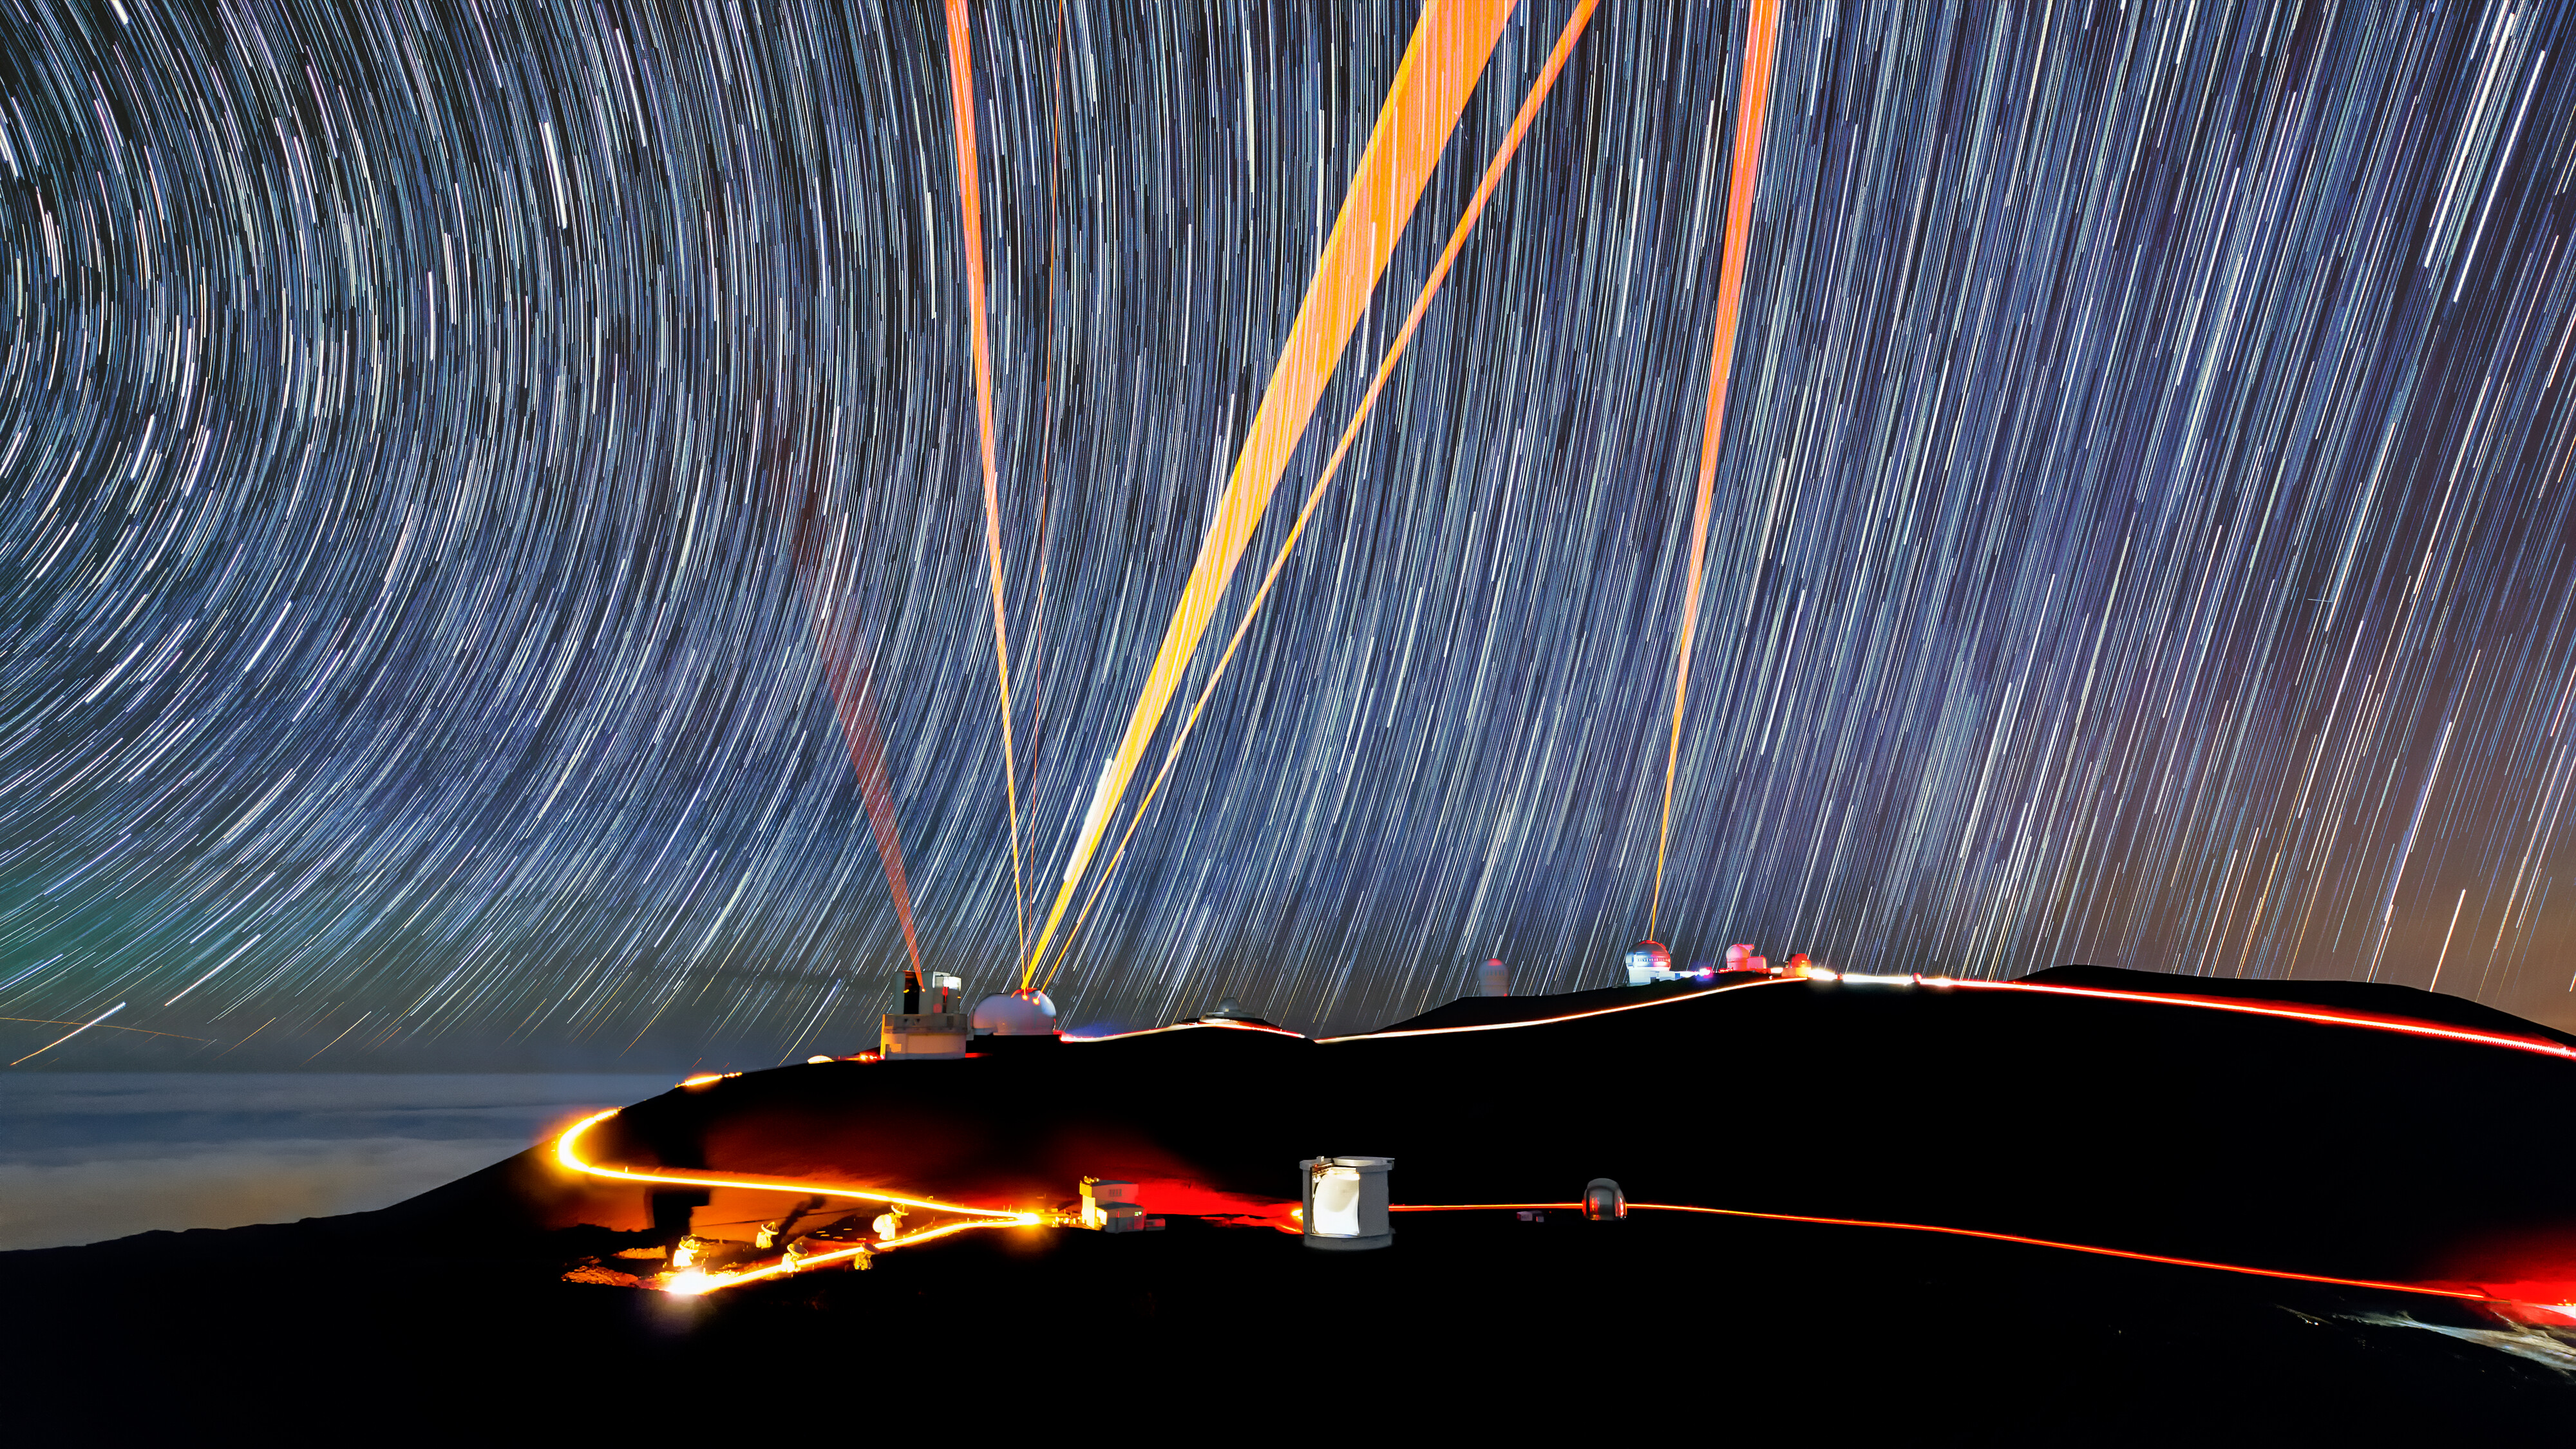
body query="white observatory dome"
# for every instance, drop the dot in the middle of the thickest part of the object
(1026, 1012)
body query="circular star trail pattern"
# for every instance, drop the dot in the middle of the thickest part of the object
(442, 447)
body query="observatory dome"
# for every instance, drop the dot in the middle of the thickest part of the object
(1026, 1012)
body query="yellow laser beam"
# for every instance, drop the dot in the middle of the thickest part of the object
(1573, 31)
(1450, 45)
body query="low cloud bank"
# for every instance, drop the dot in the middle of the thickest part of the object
(86, 1157)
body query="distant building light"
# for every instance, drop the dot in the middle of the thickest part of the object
(1494, 978)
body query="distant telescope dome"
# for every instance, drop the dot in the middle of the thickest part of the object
(1649, 961)
(1026, 1012)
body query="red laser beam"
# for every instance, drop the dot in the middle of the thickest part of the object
(854, 703)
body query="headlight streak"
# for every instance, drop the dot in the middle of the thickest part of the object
(694, 1284)
(2402, 1026)
(1191, 1026)
(702, 1283)
(711, 1282)
(990, 1217)
(2398, 1024)
(1545, 1020)
(567, 1154)
(2464, 1294)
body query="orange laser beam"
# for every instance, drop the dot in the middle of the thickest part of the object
(1761, 29)
(970, 208)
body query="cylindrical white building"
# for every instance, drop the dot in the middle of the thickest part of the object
(1346, 1202)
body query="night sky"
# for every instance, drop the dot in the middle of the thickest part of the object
(451, 459)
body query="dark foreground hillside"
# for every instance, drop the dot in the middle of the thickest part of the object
(2256, 1141)
(1785, 1333)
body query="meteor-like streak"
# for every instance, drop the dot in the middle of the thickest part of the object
(75, 1031)
(1753, 93)
(1503, 154)
(1441, 62)
(970, 210)
(86, 1025)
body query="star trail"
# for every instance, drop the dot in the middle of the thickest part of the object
(462, 468)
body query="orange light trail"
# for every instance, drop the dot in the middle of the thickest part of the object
(1552, 1020)
(569, 1157)
(1493, 177)
(1479, 1207)
(1193, 1026)
(709, 1282)
(2404, 1026)
(2470, 1295)
(84, 1026)
(1450, 45)
(567, 1153)
(2463, 1293)
(970, 208)
(1754, 92)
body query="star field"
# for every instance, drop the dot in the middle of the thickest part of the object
(450, 456)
